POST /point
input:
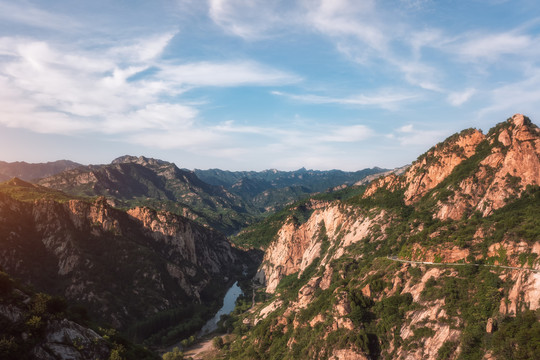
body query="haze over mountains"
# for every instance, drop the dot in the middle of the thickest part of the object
(28, 172)
(440, 260)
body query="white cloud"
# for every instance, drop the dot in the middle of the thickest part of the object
(408, 135)
(516, 97)
(352, 133)
(406, 128)
(249, 19)
(489, 47)
(143, 50)
(237, 73)
(70, 90)
(459, 98)
(343, 18)
(387, 100)
(24, 13)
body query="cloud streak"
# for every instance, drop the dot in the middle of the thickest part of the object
(384, 100)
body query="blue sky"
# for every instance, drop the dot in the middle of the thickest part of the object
(252, 85)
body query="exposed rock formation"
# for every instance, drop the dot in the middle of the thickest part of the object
(122, 265)
(66, 340)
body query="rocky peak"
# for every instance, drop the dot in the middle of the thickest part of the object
(141, 160)
(430, 170)
(476, 171)
(519, 120)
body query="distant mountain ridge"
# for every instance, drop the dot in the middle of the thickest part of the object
(271, 190)
(316, 180)
(28, 171)
(224, 200)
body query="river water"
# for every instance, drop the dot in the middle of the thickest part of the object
(228, 306)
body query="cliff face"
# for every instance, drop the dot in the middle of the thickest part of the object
(31, 332)
(123, 266)
(298, 246)
(365, 278)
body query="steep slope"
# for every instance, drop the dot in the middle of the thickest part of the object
(124, 266)
(498, 167)
(131, 181)
(26, 171)
(39, 326)
(441, 262)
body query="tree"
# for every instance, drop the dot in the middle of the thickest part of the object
(217, 342)
(175, 354)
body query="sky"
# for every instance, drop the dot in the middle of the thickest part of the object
(260, 84)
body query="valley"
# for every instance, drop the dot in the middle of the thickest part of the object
(436, 260)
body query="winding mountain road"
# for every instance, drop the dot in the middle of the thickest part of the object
(395, 258)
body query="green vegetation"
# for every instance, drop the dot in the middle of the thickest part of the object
(34, 314)
(24, 191)
(175, 354)
(261, 234)
(167, 327)
(518, 337)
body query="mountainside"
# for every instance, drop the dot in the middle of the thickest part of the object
(440, 262)
(132, 181)
(141, 270)
(26, 171)
(39, 326)
(270, 190)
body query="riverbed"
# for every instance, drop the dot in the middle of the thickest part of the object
(229, 303)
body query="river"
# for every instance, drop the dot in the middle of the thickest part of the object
(229, 303)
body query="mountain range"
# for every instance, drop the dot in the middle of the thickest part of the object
(224, 200)
(436, 260)
(26, 171)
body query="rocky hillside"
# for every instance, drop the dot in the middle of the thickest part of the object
(141, 270)
(26, 171)
(40, 326)
(440, 262)
(138, 181)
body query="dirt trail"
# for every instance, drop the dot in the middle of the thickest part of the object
(199, 349)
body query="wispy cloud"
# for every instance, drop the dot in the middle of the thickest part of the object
(237, 73)
(408, 135)
(461, 97)
(250, 19)
(490, 47)
(352, 133)
(387, 100)
(24, 13)
(71, 90)
(515, 97)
